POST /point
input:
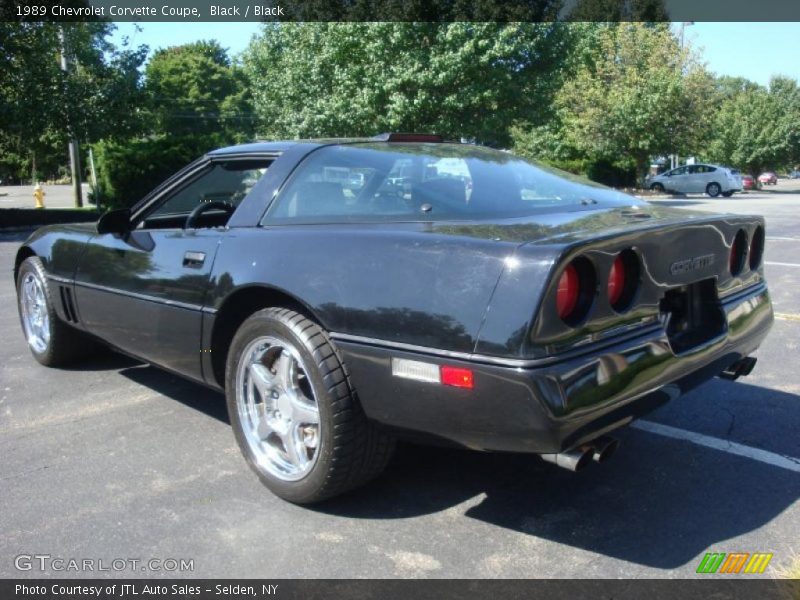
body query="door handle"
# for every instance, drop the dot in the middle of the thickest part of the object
(194, 260)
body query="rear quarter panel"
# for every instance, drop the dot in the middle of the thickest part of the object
(413, 287)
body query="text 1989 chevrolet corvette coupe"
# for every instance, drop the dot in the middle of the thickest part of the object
(346, 292)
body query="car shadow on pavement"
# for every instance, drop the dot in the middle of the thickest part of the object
(193, 395)
(103, 360)
(658, 502)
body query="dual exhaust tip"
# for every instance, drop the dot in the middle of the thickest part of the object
(599, 451)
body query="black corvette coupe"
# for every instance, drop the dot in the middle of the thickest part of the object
(346, 292)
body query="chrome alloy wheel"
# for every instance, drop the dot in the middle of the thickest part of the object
(35, 318)
(277, 408)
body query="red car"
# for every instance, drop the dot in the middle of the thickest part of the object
(748, 182)
(768, 178)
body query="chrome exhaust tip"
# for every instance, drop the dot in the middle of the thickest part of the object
(572, 460)
(741, 368)
(604, 447)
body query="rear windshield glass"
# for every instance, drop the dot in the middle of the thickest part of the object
(423, 182)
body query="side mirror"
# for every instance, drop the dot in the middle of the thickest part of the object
(115, 221)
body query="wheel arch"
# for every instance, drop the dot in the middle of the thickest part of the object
(23, 253)
(236, 308)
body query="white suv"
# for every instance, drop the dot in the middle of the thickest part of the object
(698, 179)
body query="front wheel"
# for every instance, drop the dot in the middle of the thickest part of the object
(52, 342)
(713, 189)
(657, 187)
(294, 413)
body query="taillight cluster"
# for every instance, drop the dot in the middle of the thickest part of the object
(740, 252)
(578, 283)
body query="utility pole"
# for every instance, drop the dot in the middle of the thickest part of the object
(674, 159)
(74, 152)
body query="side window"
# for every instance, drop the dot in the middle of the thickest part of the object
(224, 183)
(679, 171)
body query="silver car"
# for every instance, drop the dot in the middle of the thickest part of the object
(698, 179)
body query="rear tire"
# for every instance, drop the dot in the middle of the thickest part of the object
(52, 342)
(727, 194)
(713, 189)
(294, 412)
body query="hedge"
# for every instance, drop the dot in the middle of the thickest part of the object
(128, 171)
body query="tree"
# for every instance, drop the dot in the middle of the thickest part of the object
(758, 128)
(636, 94)
(352, 79)
(195, 89)
(197, 100)
(41, 106)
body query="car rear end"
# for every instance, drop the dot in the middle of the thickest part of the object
(734, 180)
(626, 321)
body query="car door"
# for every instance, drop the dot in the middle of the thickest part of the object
(144, 291)
(678, 180)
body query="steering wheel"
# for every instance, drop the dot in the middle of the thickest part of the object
(205, 207)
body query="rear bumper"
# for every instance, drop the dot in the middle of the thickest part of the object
(551, 405)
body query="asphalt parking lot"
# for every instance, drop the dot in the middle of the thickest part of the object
(116, 459)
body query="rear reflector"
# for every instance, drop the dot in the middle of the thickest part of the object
(431, 373)
(457, 377)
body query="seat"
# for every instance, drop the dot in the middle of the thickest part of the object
(444, 192)
(319, 198)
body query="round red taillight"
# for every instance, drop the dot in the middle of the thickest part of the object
(738, 252)
(623, 280)
(616, 280)
(568, 293)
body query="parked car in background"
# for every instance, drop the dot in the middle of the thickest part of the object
(768, 178)
(794, 175)
(698, 179)
(748, 182)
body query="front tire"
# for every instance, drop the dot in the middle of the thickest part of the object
(657, 187)
(294, 412)
(52, 342)
(713, 189)
(727, 194)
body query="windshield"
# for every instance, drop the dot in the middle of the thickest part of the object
(425, 182)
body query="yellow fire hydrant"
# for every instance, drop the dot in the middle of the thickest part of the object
(38, 195)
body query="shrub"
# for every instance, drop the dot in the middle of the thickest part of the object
(128, 171)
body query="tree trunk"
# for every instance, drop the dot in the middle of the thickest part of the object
(641, 170)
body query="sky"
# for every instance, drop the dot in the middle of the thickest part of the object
(756, 51)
